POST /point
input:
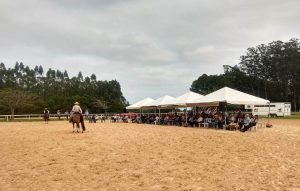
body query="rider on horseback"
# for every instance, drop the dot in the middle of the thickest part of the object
(77, 109)
(46, 115)
(46, 111)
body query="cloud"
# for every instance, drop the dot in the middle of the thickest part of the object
(151, 47)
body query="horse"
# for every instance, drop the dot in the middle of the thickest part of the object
(76, 119)
(46, 117)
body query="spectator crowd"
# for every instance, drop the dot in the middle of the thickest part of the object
(210, 118)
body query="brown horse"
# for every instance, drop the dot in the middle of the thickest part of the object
(76, 119)
(46, 117)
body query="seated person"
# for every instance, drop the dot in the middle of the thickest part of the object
(179, 120)
(191, 121)
(166, 120)
(199, 120)
(161, 120)
(247, 123)
(220, 121)
(253, 120)
(240, 121)
(156, 122)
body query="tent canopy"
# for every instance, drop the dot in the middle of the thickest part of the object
(228, 95)
(163, 102)
(187, 98)
(139, 104)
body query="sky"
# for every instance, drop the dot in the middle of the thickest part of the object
(152, 47)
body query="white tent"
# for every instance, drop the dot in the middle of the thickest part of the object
(229, 96)
(162, 102)
(187, 98)
(139, 104)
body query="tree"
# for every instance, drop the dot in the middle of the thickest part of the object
(206, 84)
(58, 91)
(66, 74)
(101, 104)
(15, 99)
(41, 70)
(271, 71)
(277, 65)
(79, 76)
(93, 77)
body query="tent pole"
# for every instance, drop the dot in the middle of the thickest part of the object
(186, 116)
(269, 113)
(225, 114)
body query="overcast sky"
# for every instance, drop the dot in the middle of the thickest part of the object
(152, 47)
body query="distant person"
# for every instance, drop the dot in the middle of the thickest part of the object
(67, 114)
(90, 118)
(86, 113)
(58, 114)
(96, 118)
(247, 123)
(93, 120)
(103, 118)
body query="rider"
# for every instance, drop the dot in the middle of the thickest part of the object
(46, 111)
(77, 109)
(46, 114)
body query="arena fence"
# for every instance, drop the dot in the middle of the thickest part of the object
(40, 117)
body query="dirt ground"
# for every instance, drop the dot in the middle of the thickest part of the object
(38, 156)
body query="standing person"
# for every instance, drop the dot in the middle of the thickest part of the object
(58, 114)
(86, 113)
(67, 114)
(77, 109)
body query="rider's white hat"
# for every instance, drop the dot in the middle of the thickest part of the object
(76, 103)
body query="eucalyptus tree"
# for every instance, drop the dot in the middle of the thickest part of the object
(278, 65)
(56, 90)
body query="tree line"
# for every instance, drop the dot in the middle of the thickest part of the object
(30, 90)
(270, 71)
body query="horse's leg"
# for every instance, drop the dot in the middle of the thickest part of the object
(73, 128)
(78, 127)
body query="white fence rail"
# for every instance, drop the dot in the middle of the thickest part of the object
(40, 116)
(29, 116)
(62, 116)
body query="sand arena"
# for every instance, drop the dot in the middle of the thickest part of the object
(38, 156)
